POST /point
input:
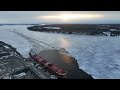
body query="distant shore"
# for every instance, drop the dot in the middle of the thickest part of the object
(84, 29)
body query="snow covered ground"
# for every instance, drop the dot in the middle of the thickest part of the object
(97, 55)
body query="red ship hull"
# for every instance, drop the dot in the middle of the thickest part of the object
(60, 73)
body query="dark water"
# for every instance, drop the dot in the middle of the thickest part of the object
(66, 62)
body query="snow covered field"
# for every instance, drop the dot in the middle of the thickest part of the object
(97, 55)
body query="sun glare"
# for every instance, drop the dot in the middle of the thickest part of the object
(71, 16)
(64, 42)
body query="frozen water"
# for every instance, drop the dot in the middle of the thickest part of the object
(96, 55)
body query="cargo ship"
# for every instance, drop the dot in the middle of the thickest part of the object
(52, 68)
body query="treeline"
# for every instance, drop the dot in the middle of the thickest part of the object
(89, 29)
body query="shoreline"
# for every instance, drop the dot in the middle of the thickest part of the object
(106, 30)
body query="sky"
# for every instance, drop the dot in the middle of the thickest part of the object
(43, 17)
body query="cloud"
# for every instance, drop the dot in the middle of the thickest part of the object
(30, 17)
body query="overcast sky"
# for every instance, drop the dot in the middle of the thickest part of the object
(85, 17)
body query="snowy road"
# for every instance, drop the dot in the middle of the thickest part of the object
(97, 55)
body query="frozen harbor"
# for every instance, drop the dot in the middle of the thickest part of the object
(96, 55)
